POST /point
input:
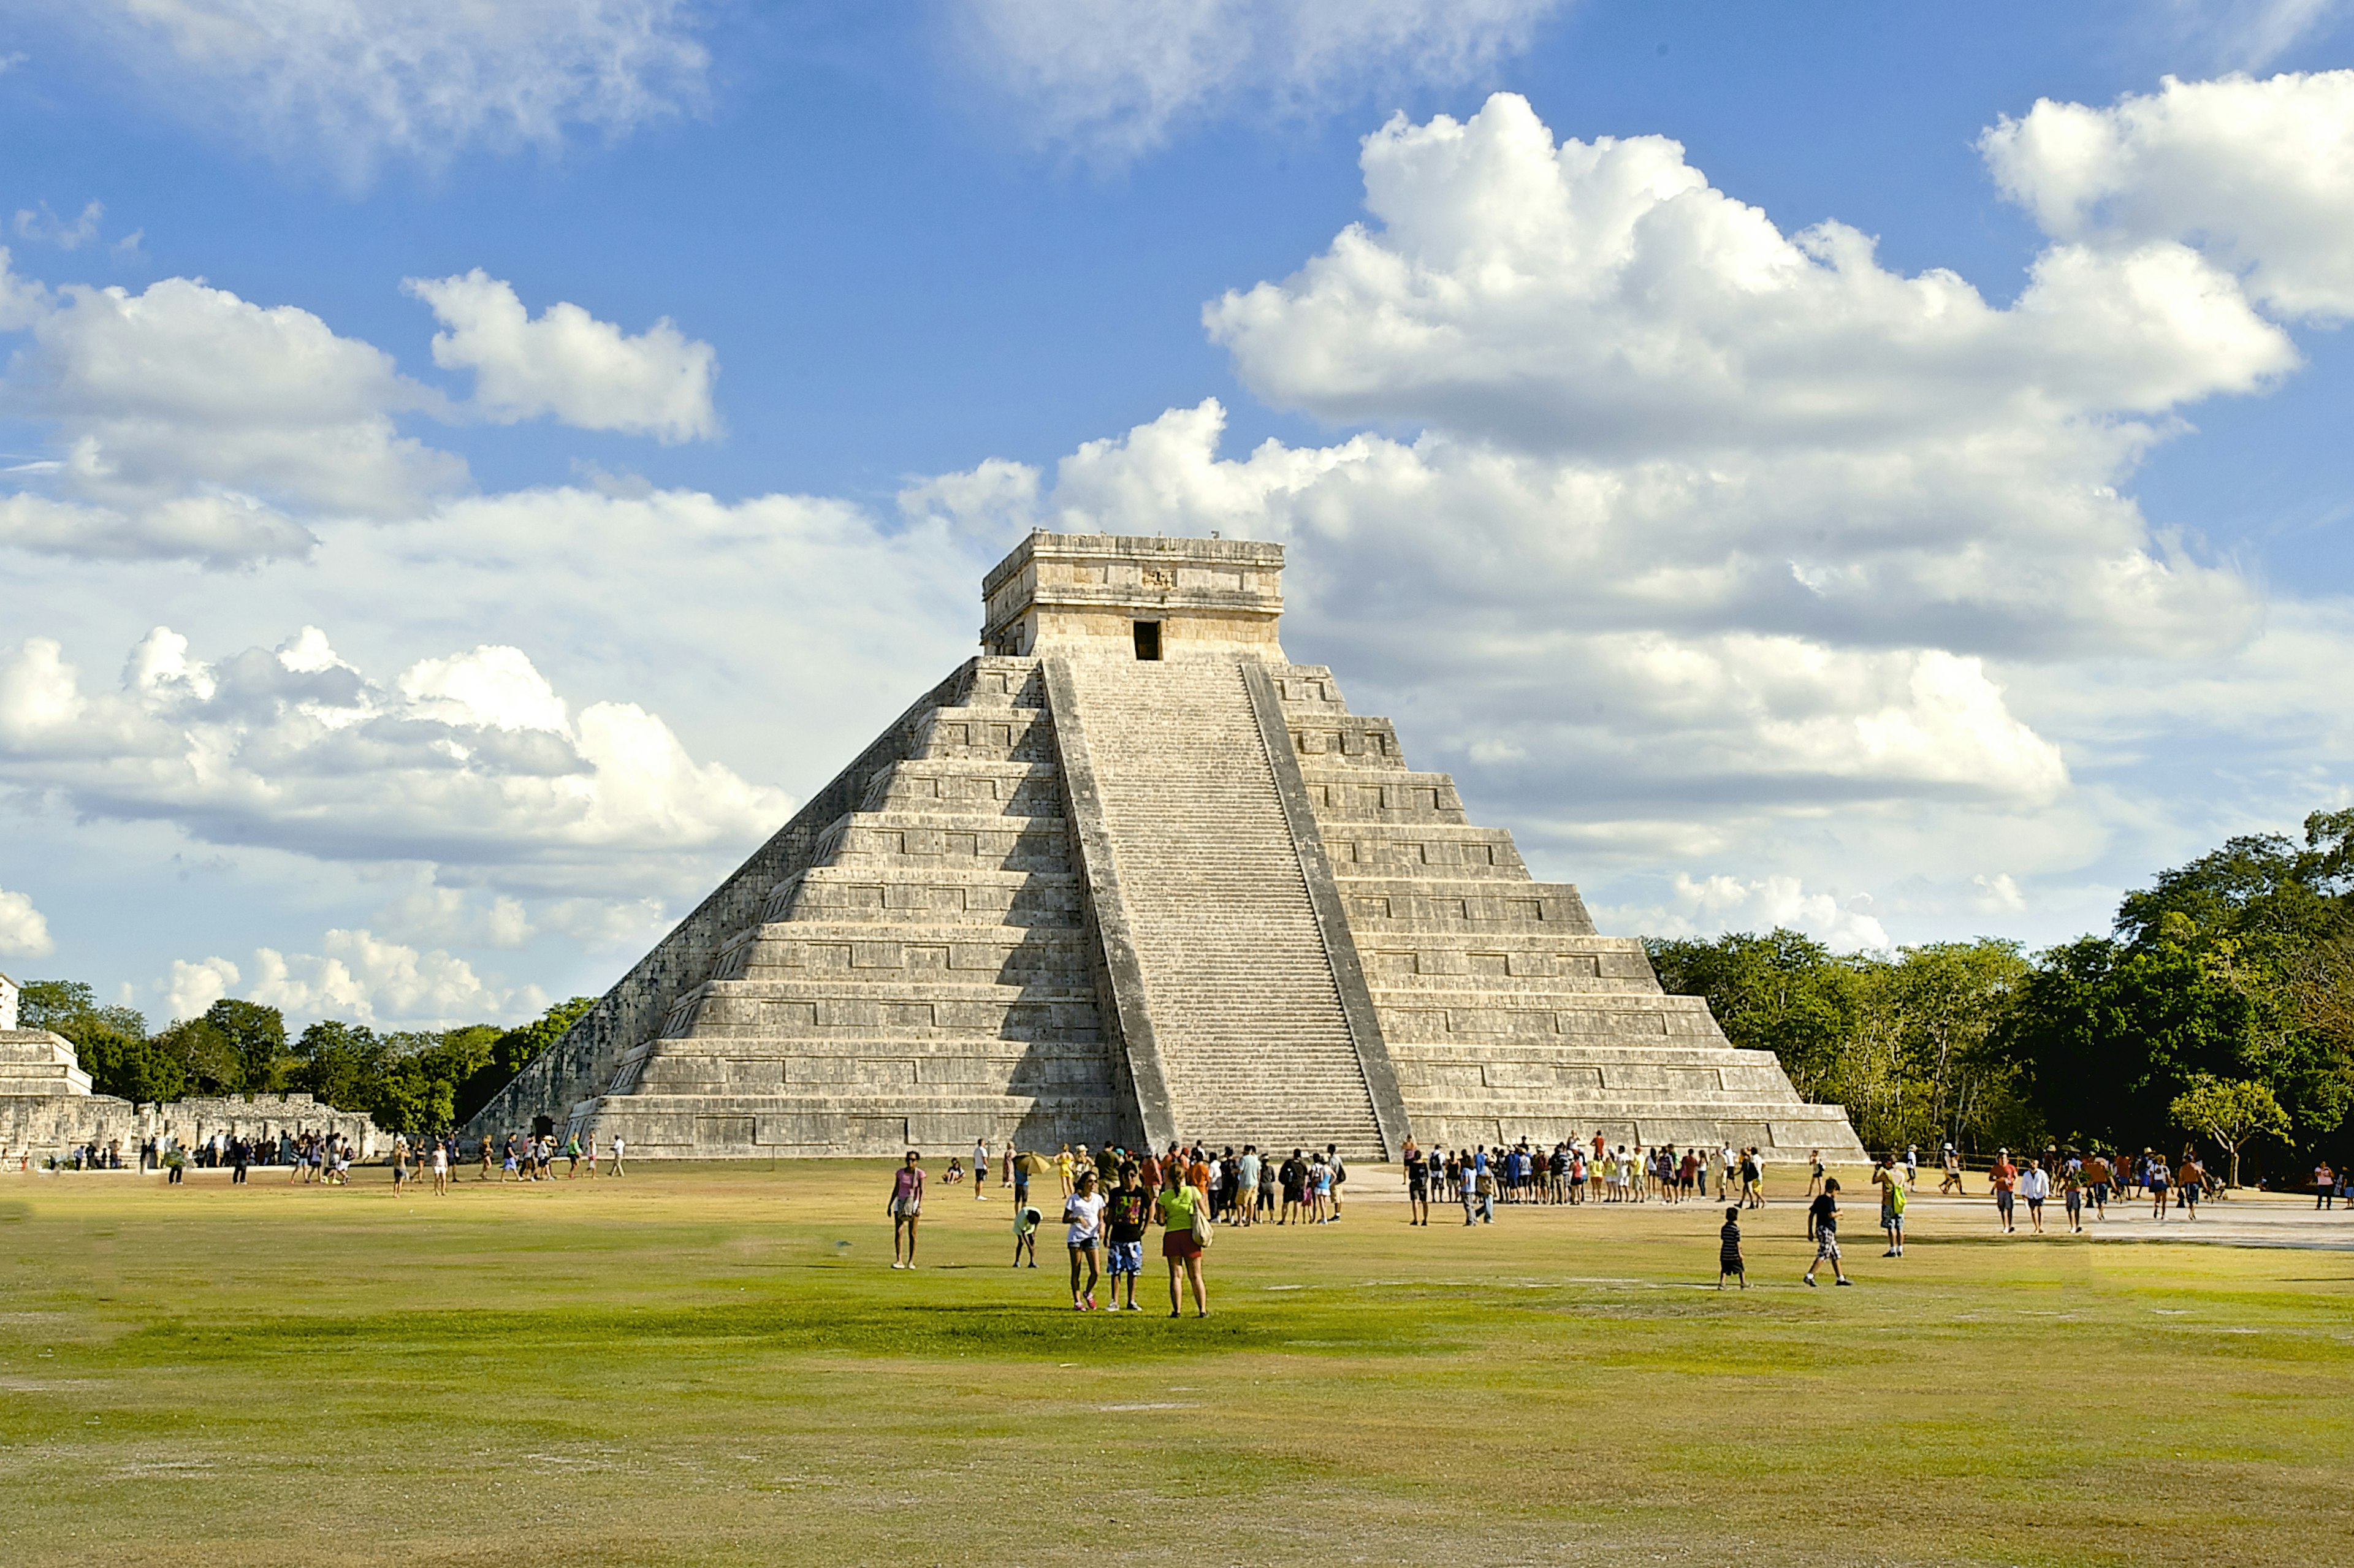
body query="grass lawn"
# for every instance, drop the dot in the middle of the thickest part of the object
(716, 1365)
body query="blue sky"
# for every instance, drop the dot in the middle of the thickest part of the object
(1944, 571)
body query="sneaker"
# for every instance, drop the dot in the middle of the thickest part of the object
(1843, 1280)
(1132, 1307)
(1809, 1279)
(1892, 1251)
(896, 1263)
(1090, 1302)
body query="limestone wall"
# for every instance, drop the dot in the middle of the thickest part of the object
(46, 1107)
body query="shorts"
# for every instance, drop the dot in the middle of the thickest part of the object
(1890, 1219)
(1827, 1245)
(2034, 1205)
(2002, 1203)
(1128, 1257)
(1180, 1245)
(906, 1208)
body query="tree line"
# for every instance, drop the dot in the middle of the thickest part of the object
(412, 1081)
(2220, 1007)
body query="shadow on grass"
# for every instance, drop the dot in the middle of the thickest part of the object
(850, 1328)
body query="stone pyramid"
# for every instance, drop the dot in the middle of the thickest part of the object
(1130, 875)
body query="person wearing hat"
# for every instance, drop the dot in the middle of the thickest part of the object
(2005, 1177)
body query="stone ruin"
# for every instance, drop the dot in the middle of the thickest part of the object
(46, 1106)
(1132, 875)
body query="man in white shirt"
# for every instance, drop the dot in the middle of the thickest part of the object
(980, 1169)
(2035, 1185)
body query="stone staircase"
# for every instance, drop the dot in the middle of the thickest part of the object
(924, 982)
(1506, 1015)
(1252, 1035)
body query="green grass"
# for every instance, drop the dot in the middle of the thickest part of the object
(715, 1366)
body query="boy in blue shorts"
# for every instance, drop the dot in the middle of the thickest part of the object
(1124, 1221)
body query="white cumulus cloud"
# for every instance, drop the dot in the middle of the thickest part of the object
(24, 931)
(1119, 79)
(191, 424)
(2258, 175)
(468, 760)
(365, 979)
(567, 363)
(1705, 906)
(1707, 530)
(194, 987)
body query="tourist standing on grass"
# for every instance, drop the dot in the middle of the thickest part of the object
(1822, 1220)
(1247, 1175)
(620, 1146)
(441, 1165)
(2005, 1177)
(980, 1169)
(906, 1207)
(1062, 1168)
(1124, 1219)
(1912, 1166)
(1728, 1250)
(1952, 1181)
(2072, 1198)
(1892, 1205)
(1417, 1186)
(2035, 1185)
(2325, 1186)
(1083, 1212)
(1183, 1213)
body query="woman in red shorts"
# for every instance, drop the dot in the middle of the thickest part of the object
(1177, 1209)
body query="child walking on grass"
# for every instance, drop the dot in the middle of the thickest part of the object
(1728, 1252)
(1822, 1218)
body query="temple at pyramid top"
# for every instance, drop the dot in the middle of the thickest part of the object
(1151, 599)
(1131, 875)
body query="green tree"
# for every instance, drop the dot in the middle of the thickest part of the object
(47, 1004)
(125, 1063)
(1782, 992)
(257, 1033)
(2231, 1111)
(341, 1065)
(510, 1051)
(208, 1060)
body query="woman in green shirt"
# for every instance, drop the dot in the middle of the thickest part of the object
(1180, 1209)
